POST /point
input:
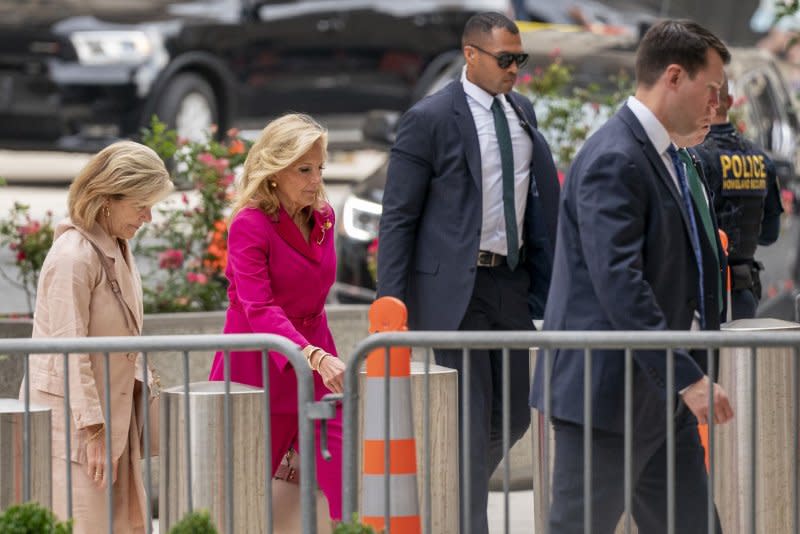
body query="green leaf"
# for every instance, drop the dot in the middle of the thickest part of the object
(32, 518)
(198, 522)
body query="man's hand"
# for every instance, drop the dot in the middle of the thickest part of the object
(696, 399)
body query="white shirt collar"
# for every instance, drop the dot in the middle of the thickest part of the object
(481, 97)
(652, 126)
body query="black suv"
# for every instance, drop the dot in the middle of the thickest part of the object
(77, 74)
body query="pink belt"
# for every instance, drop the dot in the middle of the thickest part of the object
(308, 319)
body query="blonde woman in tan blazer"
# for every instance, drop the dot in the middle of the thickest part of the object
(108, 202)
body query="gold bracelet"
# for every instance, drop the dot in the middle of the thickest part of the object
(308, 352)
(319, 362)
(97, 434)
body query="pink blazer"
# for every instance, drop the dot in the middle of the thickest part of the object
(278, 285)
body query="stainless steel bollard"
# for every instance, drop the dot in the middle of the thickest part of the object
(12, 469)
(774, 439)
(208, 455)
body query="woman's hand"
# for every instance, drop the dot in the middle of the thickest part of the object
(331, 369)
(96, 457)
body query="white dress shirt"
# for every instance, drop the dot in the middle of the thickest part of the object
(493, 222)
(656, 133)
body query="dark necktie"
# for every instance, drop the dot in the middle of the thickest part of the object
(700, 201)
(695, 237)
(507, 164)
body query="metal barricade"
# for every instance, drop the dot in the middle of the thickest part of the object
(308, 412)
(627, 342)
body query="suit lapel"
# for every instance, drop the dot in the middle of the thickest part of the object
(636, 128)
(524, 121)
(469, 137)
(293, 237)
(129, 285)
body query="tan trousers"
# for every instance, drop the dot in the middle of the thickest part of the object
(90, 503)
(286, 509)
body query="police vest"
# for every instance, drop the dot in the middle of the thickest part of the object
(737, 174)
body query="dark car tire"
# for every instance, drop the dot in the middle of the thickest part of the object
(189, 105)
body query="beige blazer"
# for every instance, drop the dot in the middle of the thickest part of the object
(75, 299)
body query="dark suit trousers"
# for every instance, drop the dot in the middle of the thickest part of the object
(744, 303)
(499, 302)
(649, 472)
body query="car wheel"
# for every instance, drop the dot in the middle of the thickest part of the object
(189, 105)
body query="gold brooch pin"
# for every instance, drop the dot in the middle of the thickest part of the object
(324, 226)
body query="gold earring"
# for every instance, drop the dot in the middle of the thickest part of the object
(106, 211)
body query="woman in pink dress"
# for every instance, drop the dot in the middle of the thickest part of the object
(281, 265)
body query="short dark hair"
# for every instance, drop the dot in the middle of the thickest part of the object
(483, 24)
(681, 42)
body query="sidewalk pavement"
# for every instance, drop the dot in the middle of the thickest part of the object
(521, 512)
(520, 505)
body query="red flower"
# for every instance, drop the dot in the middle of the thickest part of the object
(197, 278)
(170, 259)
(220, 165)
(21, 256)
(31, 228)
(372, 248)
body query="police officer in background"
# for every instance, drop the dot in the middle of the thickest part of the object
(747, 202)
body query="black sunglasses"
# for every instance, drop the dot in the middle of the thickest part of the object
(505, 59)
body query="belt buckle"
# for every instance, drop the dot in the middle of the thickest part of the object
(489, 259)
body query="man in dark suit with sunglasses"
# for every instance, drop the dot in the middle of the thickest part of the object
(468, 232)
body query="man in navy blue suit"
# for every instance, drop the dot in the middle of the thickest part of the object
(468, 231)
(631, 254)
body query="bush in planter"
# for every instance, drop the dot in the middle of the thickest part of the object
(32, 518)
(187, 246)
(198, 522)
(353, 527)
(29, 240)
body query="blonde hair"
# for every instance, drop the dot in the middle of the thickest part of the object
(124, 170)
(280, 144)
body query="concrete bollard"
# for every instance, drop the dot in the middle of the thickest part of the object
(443, 411)
(775, 454)
(12, 421)
(208, 462)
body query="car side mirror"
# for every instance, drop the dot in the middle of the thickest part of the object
(379, 127)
